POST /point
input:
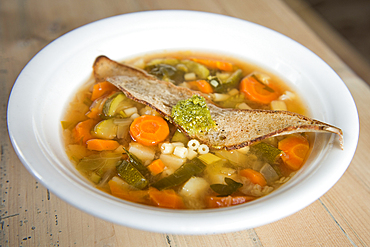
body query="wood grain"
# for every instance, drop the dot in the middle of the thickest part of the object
(31, 216)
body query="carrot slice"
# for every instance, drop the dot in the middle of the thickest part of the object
(82, 131)
(295, 149)
(214, 64)
(149, 130)
(102, 88)
(201, 85)
(156, 167)
(139, 196)
(257, 91)
(219, 202)
(254, 176)
(166, 198)
(101, 144)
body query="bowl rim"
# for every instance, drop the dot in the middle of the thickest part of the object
(82, 196)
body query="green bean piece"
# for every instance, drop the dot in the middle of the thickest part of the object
(131, 175)
(181, 175)
(266, 151)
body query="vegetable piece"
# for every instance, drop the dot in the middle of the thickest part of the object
(200, 70)
(100, 163)
(254, 176)
(131, 175)
(226, 189)
(156, 167)
(113, 104)
(101, 145)
(257, 91)
(102, 88)
(136, 162)
(82, 131)
(166, 72)
(266, 151)
(172, 161)
(166, 198)
(201, 85)
(149, 130)
(181, 175)
(209, 158)
(106, 129)
(231, 82)
(178, 136)
(118, 190)
(269, 173)
(295, 149)
(143, 153)
(218, 202)
(214, 64)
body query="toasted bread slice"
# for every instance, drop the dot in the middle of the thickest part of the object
(235, 128)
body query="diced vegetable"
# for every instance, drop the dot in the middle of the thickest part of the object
(181, 175)
(178, 136)
(230, 83)
(123, 192)
(99, 163)
(172, 161)
(82, 131)
(102, 88)
(218, 202)
(131, 175)
(156, 167)
(106, 129)
(209, 158)
(149, 130)
(266, 151)
(295, 149)
(226, 189)
(136, 162)
(200, 70)
(102, 145)
(166, 198)
(114, 104)
(269, 173)
(254, 176)
(194, 187)
(201, 85)
(278, 105)
(142, 152)
(257, 91)
(214, 64)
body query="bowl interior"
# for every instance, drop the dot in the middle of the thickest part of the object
(36, 109)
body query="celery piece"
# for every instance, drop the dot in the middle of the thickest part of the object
(131, 175)
(209, 158)
(266, 151)
(226, 189)
(178, 136)
(181, 175)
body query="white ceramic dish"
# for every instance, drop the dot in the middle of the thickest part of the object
(51, 78)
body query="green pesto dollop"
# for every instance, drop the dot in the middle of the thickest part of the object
(193, 115)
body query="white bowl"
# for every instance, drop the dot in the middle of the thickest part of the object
(46, 85)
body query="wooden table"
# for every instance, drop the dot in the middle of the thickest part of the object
(31, 216)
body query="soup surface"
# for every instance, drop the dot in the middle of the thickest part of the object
(128, 150)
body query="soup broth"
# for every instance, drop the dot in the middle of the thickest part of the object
(128, 150)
